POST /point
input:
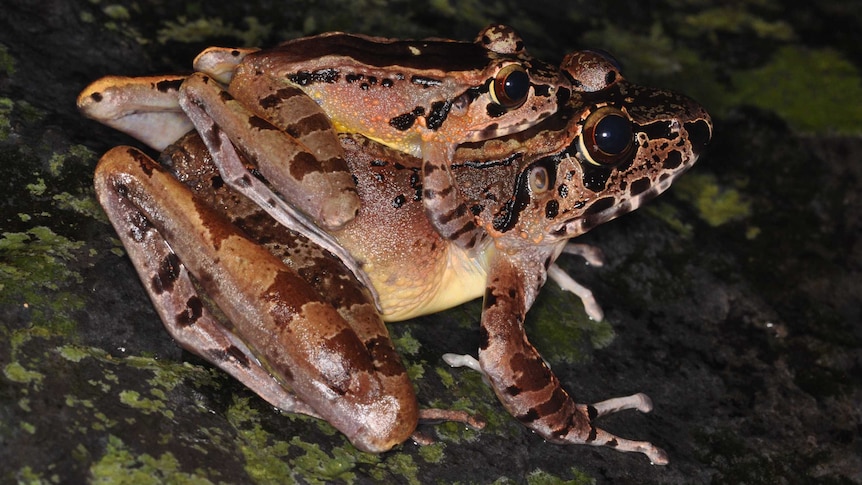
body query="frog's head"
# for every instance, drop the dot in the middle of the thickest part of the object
(621, 146)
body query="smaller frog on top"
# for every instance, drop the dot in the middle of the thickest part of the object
(422, 97)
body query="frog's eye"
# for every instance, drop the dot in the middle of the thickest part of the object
(539, 179)
(608, 137)
(511, 86)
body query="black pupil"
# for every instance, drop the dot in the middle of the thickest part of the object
(516, 85)
(613, 134)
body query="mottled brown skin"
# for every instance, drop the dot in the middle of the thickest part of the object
(322, 346)
(341, 362)
(422, 97)
(558, 197)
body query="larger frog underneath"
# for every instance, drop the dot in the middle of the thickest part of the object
(301, 331)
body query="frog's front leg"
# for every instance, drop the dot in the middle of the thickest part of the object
(287, 343)
(522, 380)
(445, 206)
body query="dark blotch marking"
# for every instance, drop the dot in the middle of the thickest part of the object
(261, 124)
(403, 122)
(552, 208)
(468, 228)
(543, 90)
(193, 311)
(658, 130)
(507, 217)
(639, 186)
(495, 110)
(212, 135)
(235, 353)
(169, 271)
(354, 359)
(304, 78)
(270, 102)
(484, 338)
(216, 182)
(528, 417)
(146, 163)
(398, 201)
(595, 177)
(592, 435)
(558, 400)
(673, 160)
(600, 205)
(425, 82)
(302, 164)
(437, 115)
(385, 357)
(513, 390)
(165, 86)
(310, 124)
(533, 374)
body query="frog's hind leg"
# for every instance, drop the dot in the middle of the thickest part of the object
(312, 178)
(170, 286)
(303, 348)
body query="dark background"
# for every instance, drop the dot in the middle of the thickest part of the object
(733, 300)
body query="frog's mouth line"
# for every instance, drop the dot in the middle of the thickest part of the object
(609, 208)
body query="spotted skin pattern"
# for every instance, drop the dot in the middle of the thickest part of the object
(289, 320)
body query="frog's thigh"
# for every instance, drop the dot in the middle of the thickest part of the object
(304, 342)
(208, 106)
(327, 195)
(293, 111)
(168, 282)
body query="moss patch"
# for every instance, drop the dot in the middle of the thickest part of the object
(815, 90)
(715, 204)
(119, 465)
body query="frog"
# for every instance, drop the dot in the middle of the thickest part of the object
(423, 97)
(289, 320)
